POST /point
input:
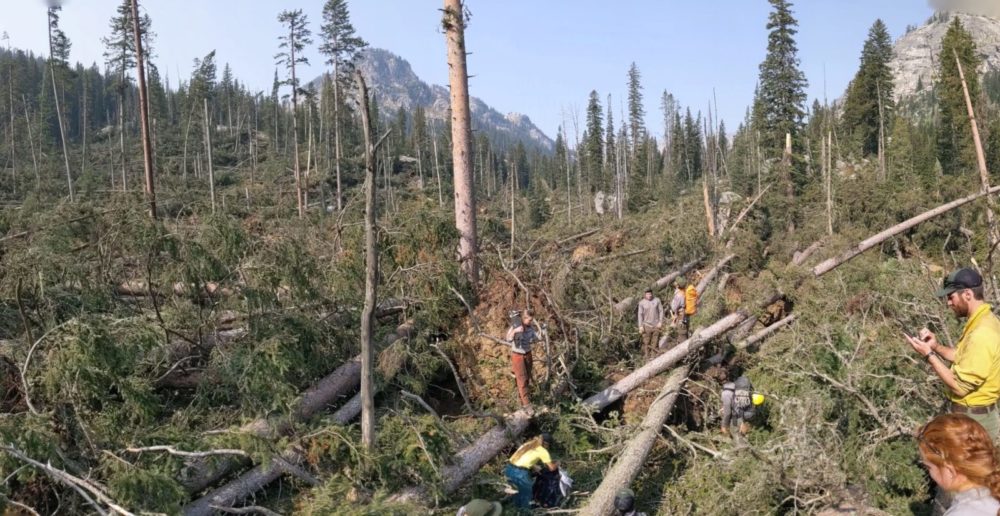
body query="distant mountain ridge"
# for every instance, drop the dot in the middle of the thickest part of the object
(916, 53)
(396, 85)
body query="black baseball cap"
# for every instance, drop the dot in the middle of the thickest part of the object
(960, 280)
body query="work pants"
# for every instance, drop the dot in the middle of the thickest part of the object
(522, 373)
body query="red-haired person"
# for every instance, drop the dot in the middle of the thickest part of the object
(961, 459)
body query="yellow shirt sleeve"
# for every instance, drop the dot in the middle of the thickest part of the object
(972, 366)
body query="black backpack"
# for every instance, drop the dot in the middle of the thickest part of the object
(546, 489)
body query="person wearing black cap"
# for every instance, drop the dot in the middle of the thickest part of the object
(973, 377)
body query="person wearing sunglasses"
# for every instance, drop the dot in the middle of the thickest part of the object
(960, 457)
(970, 370)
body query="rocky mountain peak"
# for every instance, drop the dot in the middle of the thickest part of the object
(915, 62)
(397, 86)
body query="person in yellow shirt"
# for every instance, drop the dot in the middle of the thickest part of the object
(518, 470)
(973, 376)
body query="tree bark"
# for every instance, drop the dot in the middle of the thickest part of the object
(147, 147)
(709, 276)
(984, 174)
(765, 333)
(627, 467)
(295, 124)
(625, 304)
(208, 151)
(709, 216)
(62, 131)
(468, 461)
(371, 276)
(874, 240)
(317, 398)
(461, 137)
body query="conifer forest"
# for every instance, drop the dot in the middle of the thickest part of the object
(219, 299)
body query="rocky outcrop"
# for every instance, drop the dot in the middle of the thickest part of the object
(915, 62)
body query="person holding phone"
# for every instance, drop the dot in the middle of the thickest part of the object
(973, 376)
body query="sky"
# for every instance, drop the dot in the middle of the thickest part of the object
(539, 58)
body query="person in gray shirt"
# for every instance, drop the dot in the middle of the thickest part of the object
(650, 316)
(961, 459)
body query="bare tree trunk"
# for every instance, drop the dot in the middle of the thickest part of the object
(371, 279)
(984, 174)
(883, 174)
(766, 332)
(631, 459)
(147, 146)
(309, 157)
(208, 152)
(10, 92)
(31, 142)
(513, 180)
(295, 129)
(626, 304)
(461, 137)
(437, 172)
(62, 131)
(709, 216)
(336, 132)
(121, 134)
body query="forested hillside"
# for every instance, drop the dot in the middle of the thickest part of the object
(295, 301)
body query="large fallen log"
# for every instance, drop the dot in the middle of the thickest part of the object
(874, 240)
(661, 363)
(709, 276)
(202, 473)
(660, 284)
(260, 476)
(765, 333)
(472, 458)
(627, 467)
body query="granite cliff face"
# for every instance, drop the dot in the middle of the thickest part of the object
(915, 62)
(396, 85)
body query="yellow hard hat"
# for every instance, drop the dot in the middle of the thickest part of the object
(758, 399)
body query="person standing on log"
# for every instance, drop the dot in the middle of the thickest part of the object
(973, 376)
(521, 338)
(519, 468)
(650, 315)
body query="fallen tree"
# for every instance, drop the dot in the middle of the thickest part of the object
(472, 458)
(660, 284)
(661, 363)
(765, 333)
(202, 473)
(626, 468)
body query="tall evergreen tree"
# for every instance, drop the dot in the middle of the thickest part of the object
(778, 106)
(594, 141)
(609, 139)
(955, 147)
(340, 45)
(668, 104)
(294, 42)
(636, 112)
(869, 103)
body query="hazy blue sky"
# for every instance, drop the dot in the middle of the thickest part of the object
(540, 58)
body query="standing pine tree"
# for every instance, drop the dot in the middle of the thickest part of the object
(668, 104)
(636, 113)
(868, 108)
(594, 141)
(340, 45)
(778, 106)
(294, 42)
(955, 147)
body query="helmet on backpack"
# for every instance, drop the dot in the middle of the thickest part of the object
(624, 500)
(758, 399)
